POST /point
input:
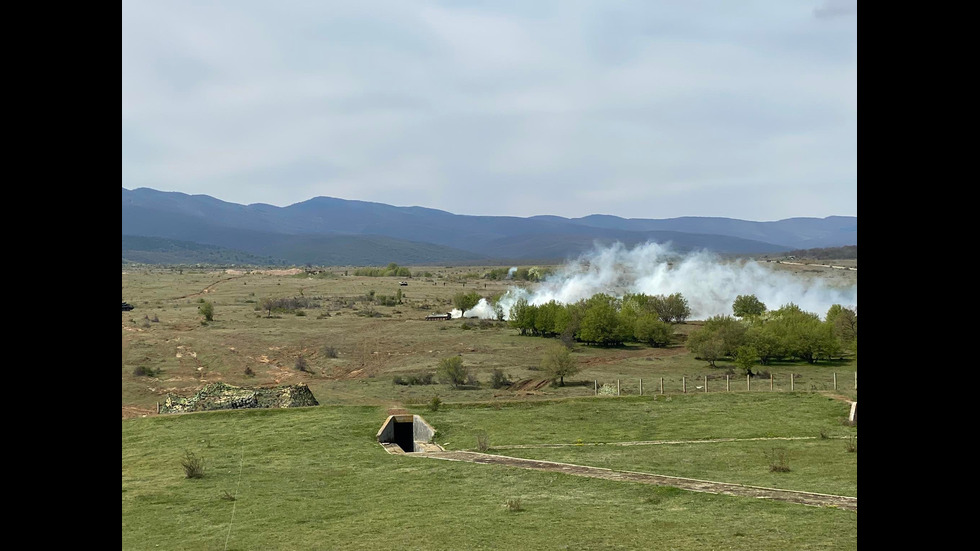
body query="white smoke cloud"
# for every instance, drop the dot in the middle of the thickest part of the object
(709, 284)
(482, 310)
(510, 272)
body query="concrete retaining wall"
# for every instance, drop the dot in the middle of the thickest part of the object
(422, 432)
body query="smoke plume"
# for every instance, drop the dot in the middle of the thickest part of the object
(709, 284)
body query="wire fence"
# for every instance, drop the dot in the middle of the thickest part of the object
(774, 382)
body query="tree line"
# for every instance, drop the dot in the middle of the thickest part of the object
(604, 320)
(755, 335)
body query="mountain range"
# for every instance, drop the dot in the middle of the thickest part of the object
(176, 228)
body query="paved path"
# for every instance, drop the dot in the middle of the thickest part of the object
(694, 485)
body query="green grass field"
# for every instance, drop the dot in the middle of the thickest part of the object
(316, 478)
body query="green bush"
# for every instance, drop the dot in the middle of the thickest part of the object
(193, 465)
(434, 404)
(207, 310)
(453, 372)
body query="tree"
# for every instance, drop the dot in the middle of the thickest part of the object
(498, 312)
(843, 322)
(452, 371)
(747, 306)
(466, 301)
(558, 363)
(677, 308)
(600, 322)
(671, 309)
(706, 345)
(268, 304)
(652, 331)
(207, 310)
(765, 342)
(745, 358)
(720, 336)
(801, 333)
(522, 316)
(547, 319)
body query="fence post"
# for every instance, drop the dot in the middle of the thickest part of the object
(855, 380)
(770, 380)
(641, 387)
(684, 384)
(706, 383)
(617, 387)
(791, 381)
(596, 382)
(728, 383)
(835, 381)
(661, 385)
(158, 408)
(748, 383)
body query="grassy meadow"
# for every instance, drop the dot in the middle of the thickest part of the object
(316, 478)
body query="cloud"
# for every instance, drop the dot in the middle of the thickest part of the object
(637, 109)
(836, 8)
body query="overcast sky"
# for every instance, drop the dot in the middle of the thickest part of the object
(646, 109)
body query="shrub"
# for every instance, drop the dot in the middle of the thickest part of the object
(193, 465)
(249, 372)
(142, 371)
(329, 351)
(207, 310)
(302, 365)
(514, 505)
(482, 441)
(435, 403)
(777, 461)
(415, 379)
(851, 445)
(453, 372)
(498, 379)
(558, 363)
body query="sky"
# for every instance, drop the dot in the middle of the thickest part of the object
(638, 109)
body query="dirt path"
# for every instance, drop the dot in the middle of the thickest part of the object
(694, 485)
(207, 289)
(652, 442)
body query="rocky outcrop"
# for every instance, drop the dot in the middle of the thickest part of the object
(217, 396)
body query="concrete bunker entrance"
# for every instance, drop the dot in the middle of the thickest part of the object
(407, 434)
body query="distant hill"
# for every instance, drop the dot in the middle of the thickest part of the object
(330, 231)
